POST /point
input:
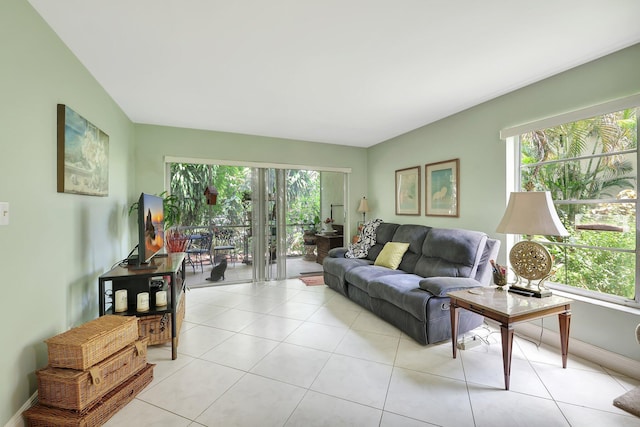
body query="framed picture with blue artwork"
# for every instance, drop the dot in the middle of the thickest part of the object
(83, 155)
(442, 194)
(408, 191)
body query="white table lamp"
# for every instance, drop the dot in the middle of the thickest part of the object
(363, 208)
(531, 213)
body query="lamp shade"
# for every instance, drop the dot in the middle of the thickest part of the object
(531, 213)
(364, 206)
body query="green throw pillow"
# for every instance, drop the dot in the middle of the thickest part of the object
(391, 255)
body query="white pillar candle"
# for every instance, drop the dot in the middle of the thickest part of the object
(161, 298)
(121, 300)
(143, 301)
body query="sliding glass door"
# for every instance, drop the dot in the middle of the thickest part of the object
(263, 213)
(268, 225)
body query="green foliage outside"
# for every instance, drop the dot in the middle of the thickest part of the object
(577, 176)
(591, 160)
(303, 198)
(303, 202)
(170, 205)
(188, 184)
(602, 271)
(233, 207)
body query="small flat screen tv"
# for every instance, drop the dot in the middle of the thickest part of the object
(150, 228)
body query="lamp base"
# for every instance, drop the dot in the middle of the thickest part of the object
(538, 293)
(531, 261)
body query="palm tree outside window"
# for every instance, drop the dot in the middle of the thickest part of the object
(590, 168)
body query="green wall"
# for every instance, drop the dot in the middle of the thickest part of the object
(473, 137)
(56, 245)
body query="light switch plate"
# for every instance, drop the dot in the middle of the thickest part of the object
(4, 213)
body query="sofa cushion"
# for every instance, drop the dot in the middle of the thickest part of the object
(403, 291)
(391, 255)
(336, 268)
(451, 253)
(414, 235)
(384, 234)
(361, 276)
(337, 252)
(439, 286)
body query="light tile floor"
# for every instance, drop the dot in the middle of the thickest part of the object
(238, 272)
(284, 354)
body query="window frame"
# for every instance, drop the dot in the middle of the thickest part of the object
(513, 183)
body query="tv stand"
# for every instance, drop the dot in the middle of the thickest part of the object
(171, 268)
(140, 267)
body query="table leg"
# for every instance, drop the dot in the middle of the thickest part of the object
(174, 348)
(455, 315)
(507, 344)
(565, 321)
(101, 301)
(174, 315)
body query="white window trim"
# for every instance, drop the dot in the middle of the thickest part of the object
(572, 116)
(512, 136)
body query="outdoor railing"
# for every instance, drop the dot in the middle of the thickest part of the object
(239, 235)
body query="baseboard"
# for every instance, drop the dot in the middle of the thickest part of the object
(615, 362)
(17, 420)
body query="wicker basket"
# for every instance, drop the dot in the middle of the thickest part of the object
(82, 347)
(158, 327)
(78, 390)
(41, 415)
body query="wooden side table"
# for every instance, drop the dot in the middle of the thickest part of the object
(507, 309)
(325, 242)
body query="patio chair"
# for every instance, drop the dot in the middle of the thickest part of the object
(199, 247)
(225, 243)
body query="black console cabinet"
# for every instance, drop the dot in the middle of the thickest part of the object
(164, 273)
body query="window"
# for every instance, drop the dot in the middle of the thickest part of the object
(590, 168)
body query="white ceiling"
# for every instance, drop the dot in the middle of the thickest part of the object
(353, 72)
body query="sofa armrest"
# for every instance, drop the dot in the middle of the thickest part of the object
(337, 252)
(439, 286)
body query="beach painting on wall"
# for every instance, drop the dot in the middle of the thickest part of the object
(83, 155)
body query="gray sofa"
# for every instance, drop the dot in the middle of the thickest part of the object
(413, 297)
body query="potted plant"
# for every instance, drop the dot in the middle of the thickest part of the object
(310, 230)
